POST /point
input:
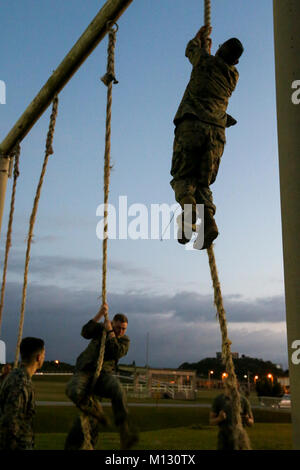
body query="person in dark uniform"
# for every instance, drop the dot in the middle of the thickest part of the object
(17, 402)
(107, 385)
(200, 123)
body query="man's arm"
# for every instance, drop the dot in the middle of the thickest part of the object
(196, 47)
(13, 419)
(117, 347)
(92, 329)
(215, 419)
(247, 416)
(248, 419)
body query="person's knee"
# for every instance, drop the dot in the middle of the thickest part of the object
(76, 389)
(117, 392)
(73, 393)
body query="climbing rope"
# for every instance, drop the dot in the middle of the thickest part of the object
(207, 21)
(207, 12)
(241, 439)
(16, 157)
(48, 152)
(108, 79)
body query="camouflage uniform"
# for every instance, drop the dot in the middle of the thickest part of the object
(107, 386)
(200, 125)
(17, 409)
(225, 436)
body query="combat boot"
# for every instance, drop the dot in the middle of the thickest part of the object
(187, 219)
(210, 228)
(127, 438)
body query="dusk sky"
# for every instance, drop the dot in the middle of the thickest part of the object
(164, 289)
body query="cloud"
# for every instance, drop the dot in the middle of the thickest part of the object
(191, 307)
(48, 267)
(181, 328)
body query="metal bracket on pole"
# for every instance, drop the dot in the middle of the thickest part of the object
(11, 166)
(4, 173)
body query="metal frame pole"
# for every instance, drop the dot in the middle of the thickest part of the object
(287, 51)
(92, 36)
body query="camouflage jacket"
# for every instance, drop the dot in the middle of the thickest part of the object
(209, 89)
(115, 348)
(17, 409)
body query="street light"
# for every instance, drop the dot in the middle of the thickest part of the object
(247, 376)
(270, 377)
(210, 373)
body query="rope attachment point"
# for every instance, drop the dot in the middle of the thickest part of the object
(110, 77)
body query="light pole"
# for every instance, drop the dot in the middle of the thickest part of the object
(147, 350)
(247, 376)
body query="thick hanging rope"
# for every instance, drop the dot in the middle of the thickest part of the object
(207, 21)
(241, 439)
(16, 157)
(48, 152)
(108, 79)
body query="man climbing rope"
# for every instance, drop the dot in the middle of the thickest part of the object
(221, 415)
(107, 385)
(200, 131)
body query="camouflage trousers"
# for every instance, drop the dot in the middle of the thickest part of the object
(197, 151)
(107, 386)
(225, 440)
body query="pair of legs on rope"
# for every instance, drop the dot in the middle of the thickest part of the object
(197, 151)
(107, 386)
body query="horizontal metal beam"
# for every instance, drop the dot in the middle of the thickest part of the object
(95, 32)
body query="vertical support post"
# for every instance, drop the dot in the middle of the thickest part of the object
(287, 51)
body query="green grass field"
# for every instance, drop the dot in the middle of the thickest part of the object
(160, 428)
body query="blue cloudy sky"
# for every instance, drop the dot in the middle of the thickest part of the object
(164, 289)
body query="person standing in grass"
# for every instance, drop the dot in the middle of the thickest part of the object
(221, 415)
(17, 402)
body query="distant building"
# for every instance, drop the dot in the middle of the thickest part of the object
(285, 383)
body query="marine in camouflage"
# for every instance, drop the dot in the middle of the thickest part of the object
(107, 385)
(225, 435)
(200, 125)
(115, 348)
(17, 410)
